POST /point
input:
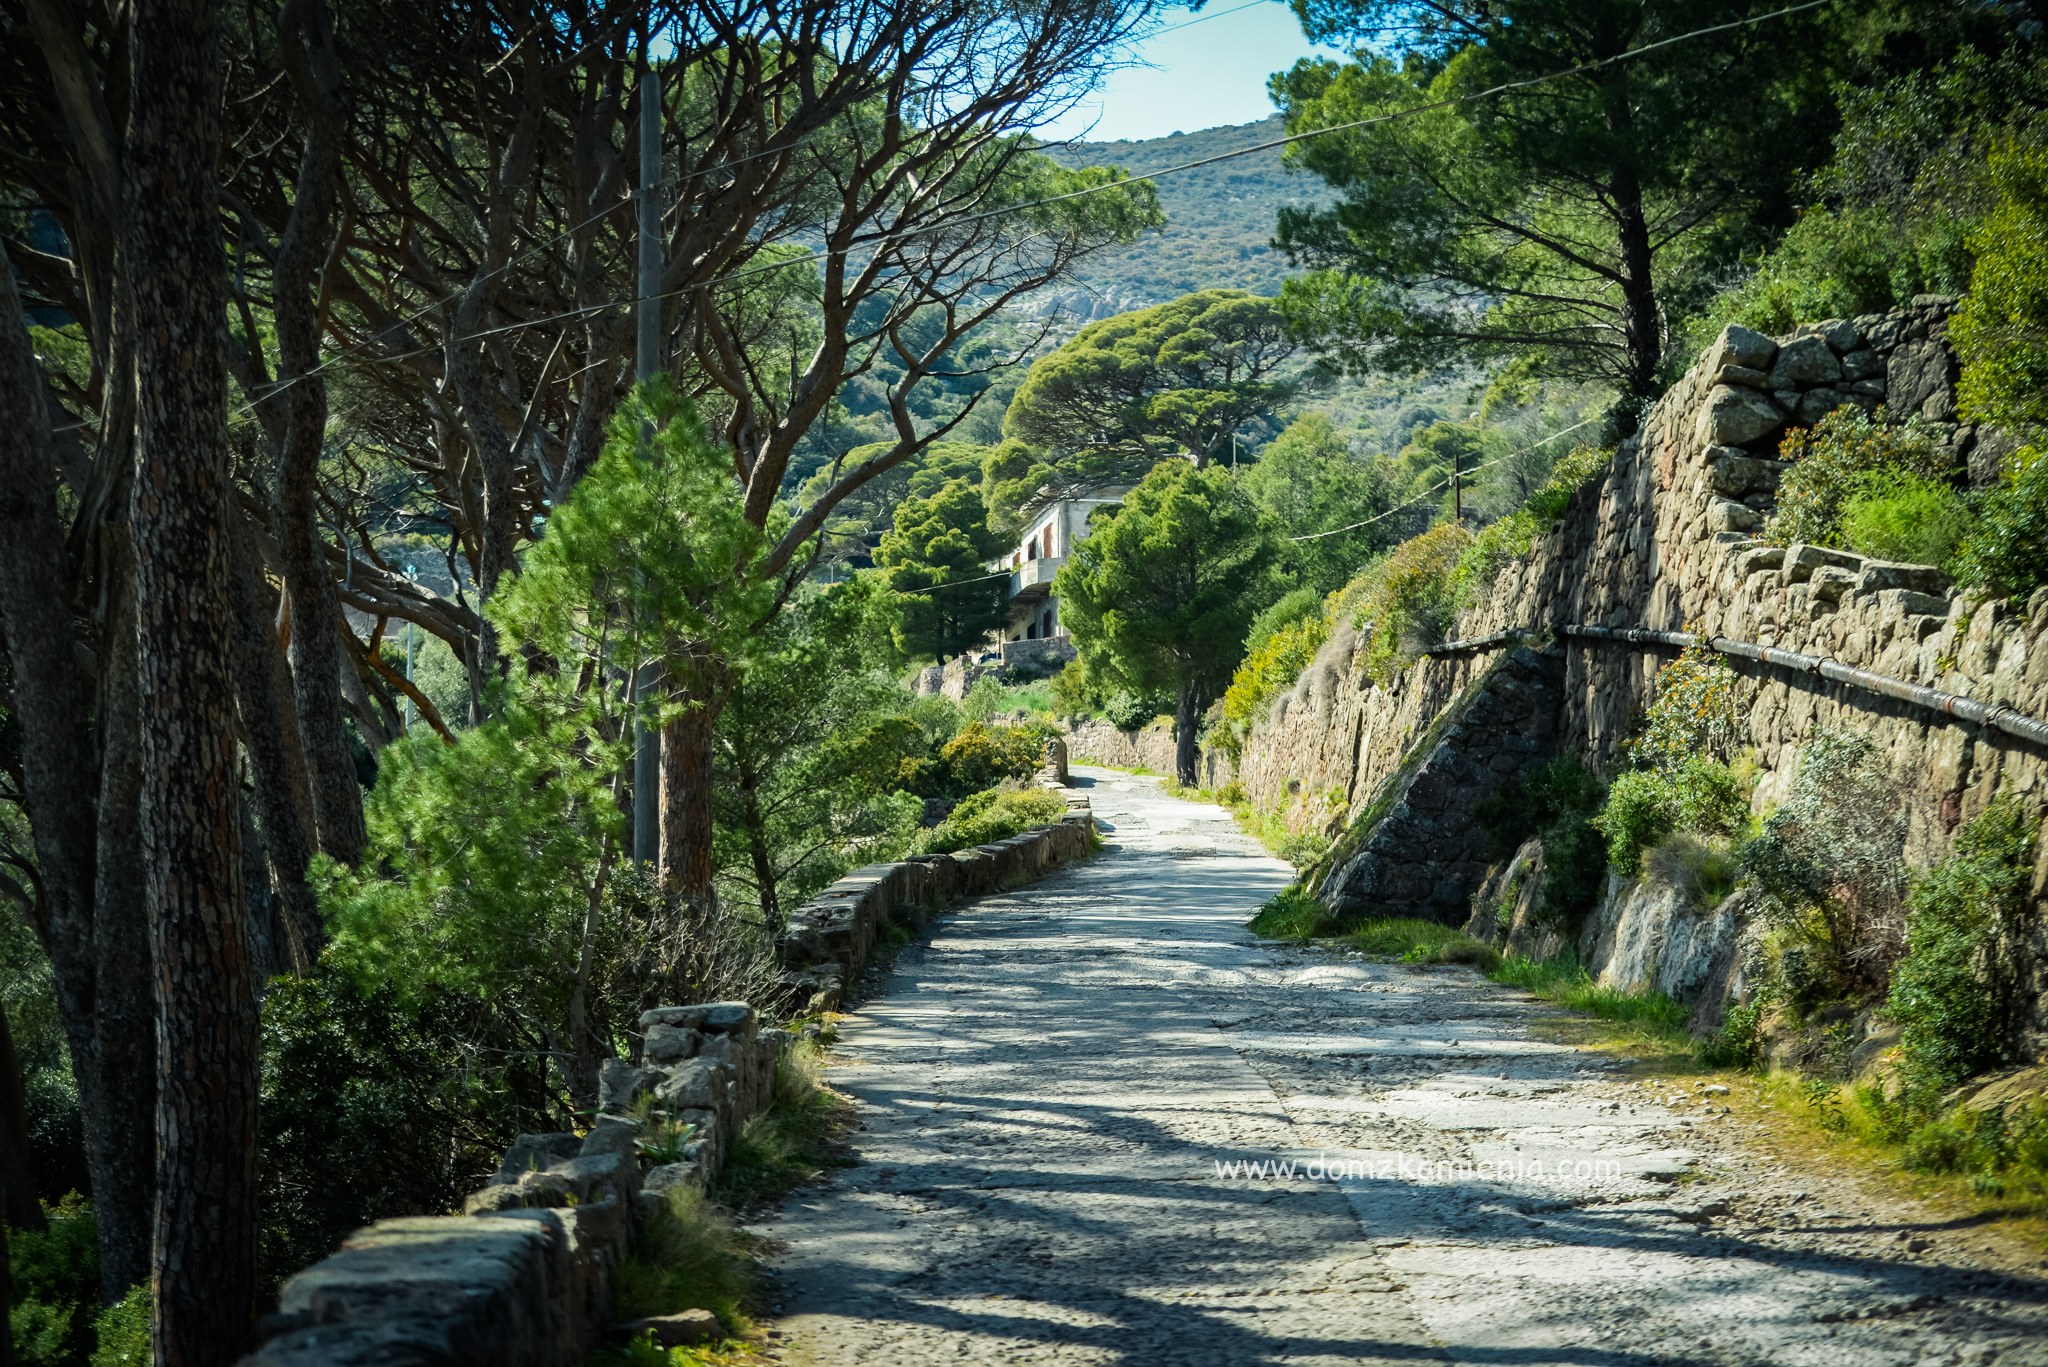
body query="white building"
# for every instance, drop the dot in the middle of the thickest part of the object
(1034, 612)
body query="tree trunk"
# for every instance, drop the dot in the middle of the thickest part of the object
(686, 826)
(1641, 326)
(1187, 717)
(84, 918)
(18, 1204)
(757, 847)
(277, 761)
(203, 1263)
(316, 656)
(122, 1104)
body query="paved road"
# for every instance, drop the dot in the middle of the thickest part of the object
(1048, 1086)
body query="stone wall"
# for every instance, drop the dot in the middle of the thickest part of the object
(1037, 658)
(1664, 540)
(1150, 748)
(829, 939)
(524, 1275)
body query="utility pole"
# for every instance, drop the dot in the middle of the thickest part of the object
(646, 360)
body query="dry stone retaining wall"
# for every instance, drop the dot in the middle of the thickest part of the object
(1150, 748)
(1665, 540)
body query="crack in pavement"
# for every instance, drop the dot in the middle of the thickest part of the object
(1047, 1087)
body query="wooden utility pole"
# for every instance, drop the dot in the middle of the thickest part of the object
(647, 358)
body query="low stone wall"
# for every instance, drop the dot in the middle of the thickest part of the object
(828, 940)
(1150, 747)
(1040, 657)
(525, 1274)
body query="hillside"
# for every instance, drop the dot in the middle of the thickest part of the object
(1219, 220)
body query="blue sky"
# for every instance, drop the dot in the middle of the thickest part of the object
(1200, 71)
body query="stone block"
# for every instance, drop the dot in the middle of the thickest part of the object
(612, 1134)
(1736, 417)
(698, 1082)
(1842, 335)
(619, 1083)
(1816, 404)
(1742, 375)
(534, 1152)
(1862, 365)
(1917, 371)
(1829, 582)
(1879, 575)
(1738, 345)
(690, 1017)
(666, 1044)
(729, 1018)
(1734, 472)
(1801, 560)
(1804, 362)
(1726, 515)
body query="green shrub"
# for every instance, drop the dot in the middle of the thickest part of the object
(1829, 861)
(983, 754)
(1514, 536)
(791, 1142)
(1408, 599)
(123, 1332)
(1835, 460)
(1128, 711)
(1075, 692)
(1946, 997)
(1555, 804)
(2007, 551)
(55, 1278)
(2001, 330)
(1269, 669)
(1644, 806)
(1693, 714)
(991, 815)
(1904, 517)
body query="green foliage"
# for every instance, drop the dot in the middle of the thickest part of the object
(1484, 228)
(1555, 804)
(686, 1256)
(935, 557)
(990, 815)
(1173, 379)
(123, 1332)
(55, 1278)
(1074, 692)
(1646, 805)
(808, 749)
(1846, 455)
(1160, 597)
(1946, 997)
(1650, 1015)
(981, 755)
(28, 996)
(1693, 714)
(2006, 552)
(2001, 330)
(653, 549)
(1292, 914)
(398, 1091)
(1308, 480)
(1421, 942)
(1129, 711)
(1829, 861)
(1514, 536)
(1907, 518)
(1270, 667)
(1407, 600)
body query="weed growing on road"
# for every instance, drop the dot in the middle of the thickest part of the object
(1649, 1015)
(1416, 941)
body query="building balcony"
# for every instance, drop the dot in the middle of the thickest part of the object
(1033, 579)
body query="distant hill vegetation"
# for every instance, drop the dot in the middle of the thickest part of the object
(1219, 221)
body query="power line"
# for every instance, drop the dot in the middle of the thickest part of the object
(1441, 485)
(954, 223)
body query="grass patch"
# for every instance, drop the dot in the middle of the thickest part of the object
(1299, 848)
(687, 1258)
(1649, 1016)
(1416, 941)
(1291, 914)
(790, 1142)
